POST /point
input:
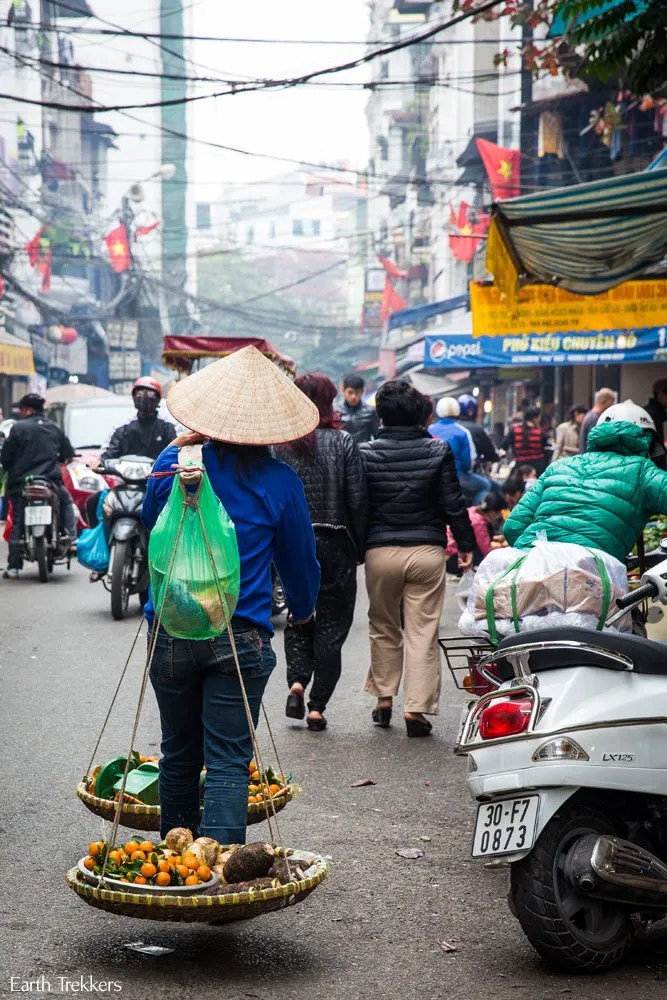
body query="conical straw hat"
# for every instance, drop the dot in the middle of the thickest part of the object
(244, 399)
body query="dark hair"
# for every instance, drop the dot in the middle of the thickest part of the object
(31, 401)
(353, 381)
(429, 408)
(660, 386)
(579, 408)
(322, 392)
(493, 501)
(532, 413)
(247, 457)
(399, 404)
(514, 482)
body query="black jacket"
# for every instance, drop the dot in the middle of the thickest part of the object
(361, 422)
(35, 447)
(658, 416)
(481, 440)
(413, 491)
(333, 478)
(140, 437)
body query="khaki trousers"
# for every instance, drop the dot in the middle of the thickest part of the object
(416, 576)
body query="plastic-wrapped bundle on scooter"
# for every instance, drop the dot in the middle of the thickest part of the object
(552, 585)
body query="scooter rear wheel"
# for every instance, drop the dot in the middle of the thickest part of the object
(42, 561)
(121, 569)
(572, 932)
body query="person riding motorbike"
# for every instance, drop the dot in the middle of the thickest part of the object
(147, 434)
(468, 419)
(35, 447)
(601, 499)
(447, 428)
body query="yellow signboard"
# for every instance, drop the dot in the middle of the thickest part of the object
(545, 309)
(15, 360)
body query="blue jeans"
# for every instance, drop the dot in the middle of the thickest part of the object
(474, 486)
(204, 722)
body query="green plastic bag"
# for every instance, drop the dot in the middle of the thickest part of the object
(187, 595)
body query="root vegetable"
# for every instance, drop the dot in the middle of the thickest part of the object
(284, 872)
(256, 883)
(211, 849)
(249, 862)
(179, 839)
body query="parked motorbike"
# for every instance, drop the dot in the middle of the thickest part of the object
(567, 759)
(127, 536)
(41, 541)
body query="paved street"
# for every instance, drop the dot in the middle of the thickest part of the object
(371, 931)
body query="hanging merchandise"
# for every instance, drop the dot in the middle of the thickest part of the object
(193, 559)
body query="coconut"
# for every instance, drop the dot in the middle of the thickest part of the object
(179, 839)
(211, 849)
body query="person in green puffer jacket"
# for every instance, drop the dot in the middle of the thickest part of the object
(601, 499)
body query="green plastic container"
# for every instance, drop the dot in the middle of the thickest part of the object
(107, 778)
(142, 784)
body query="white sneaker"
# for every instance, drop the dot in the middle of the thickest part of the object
(10, 574)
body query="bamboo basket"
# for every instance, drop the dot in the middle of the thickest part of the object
(202, 908)
(142, 817)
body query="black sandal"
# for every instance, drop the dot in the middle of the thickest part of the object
(382, 717)
(295, 707)
(316, 725)
(416, 727)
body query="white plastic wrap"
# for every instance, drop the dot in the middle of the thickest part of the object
(557, 585)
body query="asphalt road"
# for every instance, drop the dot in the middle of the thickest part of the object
(372, 931)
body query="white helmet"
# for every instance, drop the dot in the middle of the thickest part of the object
(448, 407)
(628, 412)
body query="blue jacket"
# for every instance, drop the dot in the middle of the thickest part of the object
(447, 429)
(268, 507)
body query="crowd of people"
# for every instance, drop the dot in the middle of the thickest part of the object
(317, 486)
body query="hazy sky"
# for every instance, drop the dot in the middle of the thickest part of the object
(309, 122)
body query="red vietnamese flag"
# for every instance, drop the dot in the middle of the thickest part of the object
(392, 269)
(119, 248)
(465, 236)
(391, 301)
(503, 167)
(45, 268)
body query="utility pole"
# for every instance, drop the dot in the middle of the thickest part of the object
(525, 143)
(174, 150)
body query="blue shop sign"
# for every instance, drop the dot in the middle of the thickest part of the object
(606, 347)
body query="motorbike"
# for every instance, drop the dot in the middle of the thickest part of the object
(278, 599)
(566, 748)
(82, 483)
(41, 541)
(126, 534)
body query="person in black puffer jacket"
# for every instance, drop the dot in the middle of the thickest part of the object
(413, 495)
(329, 465)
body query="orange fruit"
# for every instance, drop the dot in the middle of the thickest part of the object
(190, 861)
(116, 858)
(204, 873)
(140, 880)
(148, 870)
(146, 846)
(94, 849)
(162, 878)
(253, 789)
(89, 863)
(253, 766)
(138, 856)
(176, 860)
(131, 847)
(192, 880)
(183, 871)
(163, 866)
(274, 789)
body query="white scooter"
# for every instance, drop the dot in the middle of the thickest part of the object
(568, 762)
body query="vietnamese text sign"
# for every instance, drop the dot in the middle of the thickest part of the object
(543, 309)
(462, 350)
(16, 360)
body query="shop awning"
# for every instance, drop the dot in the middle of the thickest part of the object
(585, 239)
(418, 314)
(180, 353)
(560, 23)
(15, 356)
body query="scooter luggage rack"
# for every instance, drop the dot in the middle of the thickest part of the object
(461, 655)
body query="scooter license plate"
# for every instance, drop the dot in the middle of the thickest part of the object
(37, 515)
(506, 826)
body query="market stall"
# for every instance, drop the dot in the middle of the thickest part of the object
(183, 353)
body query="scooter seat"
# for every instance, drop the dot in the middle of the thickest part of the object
(647, 656)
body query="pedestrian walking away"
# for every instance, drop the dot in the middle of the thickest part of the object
(528, 442)
(329, 465)
(447, 428)
(198, 691)
(359, 419)
(567, 434)
(413, 494)
(604, 398)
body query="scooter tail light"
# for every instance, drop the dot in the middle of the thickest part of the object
(561, 748)
(505, 718)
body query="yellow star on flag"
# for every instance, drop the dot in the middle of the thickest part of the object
(118, 249)
(505, 169)
(466, 230)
